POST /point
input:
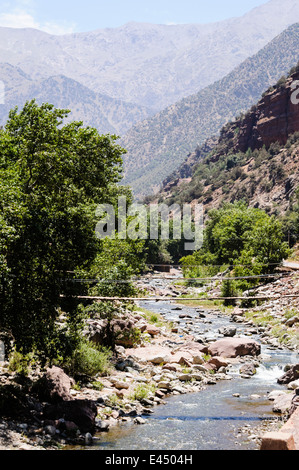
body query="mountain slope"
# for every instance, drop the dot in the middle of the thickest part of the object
(106, 114)
(157, 146)
(256, 157)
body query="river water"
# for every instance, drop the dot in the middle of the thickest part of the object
(214, 418)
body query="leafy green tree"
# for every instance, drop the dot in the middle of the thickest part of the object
(246, 239)
(53, 176)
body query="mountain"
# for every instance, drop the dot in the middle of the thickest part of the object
(157, 146)
(152, 66)
(256, 157)
(107, 114)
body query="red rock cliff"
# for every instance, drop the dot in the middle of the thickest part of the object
(274, 119)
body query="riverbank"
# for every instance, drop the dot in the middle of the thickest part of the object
(171, 359)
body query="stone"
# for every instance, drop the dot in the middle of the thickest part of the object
(234, 347)
(50, 430)
(101, 426)
(198, 359)
(88, 439)
(278, 441)
(274, 394)
(152, 330)
(119, 384)
(55, 386)
(283, 403)
(81, 412)
(291, 375)
(293, 385)
(185, 377)
(247, 369)
(139, 420)
(218, 362)
(229, 331)
(291, 321)
(160, 359)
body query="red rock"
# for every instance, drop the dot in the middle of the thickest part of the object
(233, 347)
(278, 441)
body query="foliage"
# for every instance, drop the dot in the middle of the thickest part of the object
(89, 360)
(53, 176)
(246, 240)
(160, 144)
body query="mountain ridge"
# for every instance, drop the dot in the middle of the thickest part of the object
(255, 158)
(157, 146)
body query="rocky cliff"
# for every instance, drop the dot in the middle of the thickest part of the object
(256, 157)
(274, 119)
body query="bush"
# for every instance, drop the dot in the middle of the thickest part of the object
(89, 360)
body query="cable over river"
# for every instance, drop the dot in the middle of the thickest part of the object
(225, 416)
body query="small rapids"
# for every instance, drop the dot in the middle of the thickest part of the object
(224, 416)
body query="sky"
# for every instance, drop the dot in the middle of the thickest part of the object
(69, 16)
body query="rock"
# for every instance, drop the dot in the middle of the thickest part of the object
(170, 367)
(234, 347)
(50, 430)
(274, 394)
(291, 321)
(218, 362)
(293, 385)
(139, 420)
(291, 375)
(88, 439)
(55, 386)
(81, 412)
(229, 331)
(185, 377)
(283, 403)
(119, 384)
(160, 359)
(247, 369)
(278, 441)
(198, 359)
(101, 426)
(152, 330)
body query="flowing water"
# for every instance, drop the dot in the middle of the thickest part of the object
(214, 418)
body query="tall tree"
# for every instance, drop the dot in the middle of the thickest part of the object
(53, 176)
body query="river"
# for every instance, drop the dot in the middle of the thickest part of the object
(215, 418)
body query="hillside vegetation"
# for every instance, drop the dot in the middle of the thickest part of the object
(156, 147)
(264, 174)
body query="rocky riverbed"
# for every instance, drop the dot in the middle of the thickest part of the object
(176, 356)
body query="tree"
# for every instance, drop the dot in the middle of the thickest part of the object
(247, 239)
(53, 176)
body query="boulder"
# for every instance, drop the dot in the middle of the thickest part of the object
(218, 362)
(81, 412)
(283, 403)
(234, 347)
(290, 376)
(152, 330)
(55, 386)
(229, 331)
(247, 369)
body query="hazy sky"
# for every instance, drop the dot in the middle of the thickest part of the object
(64, 16)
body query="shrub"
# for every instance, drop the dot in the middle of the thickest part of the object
(89, 360)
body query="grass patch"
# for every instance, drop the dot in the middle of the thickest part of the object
(142, 391)
(285, 335)
(153, 317)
